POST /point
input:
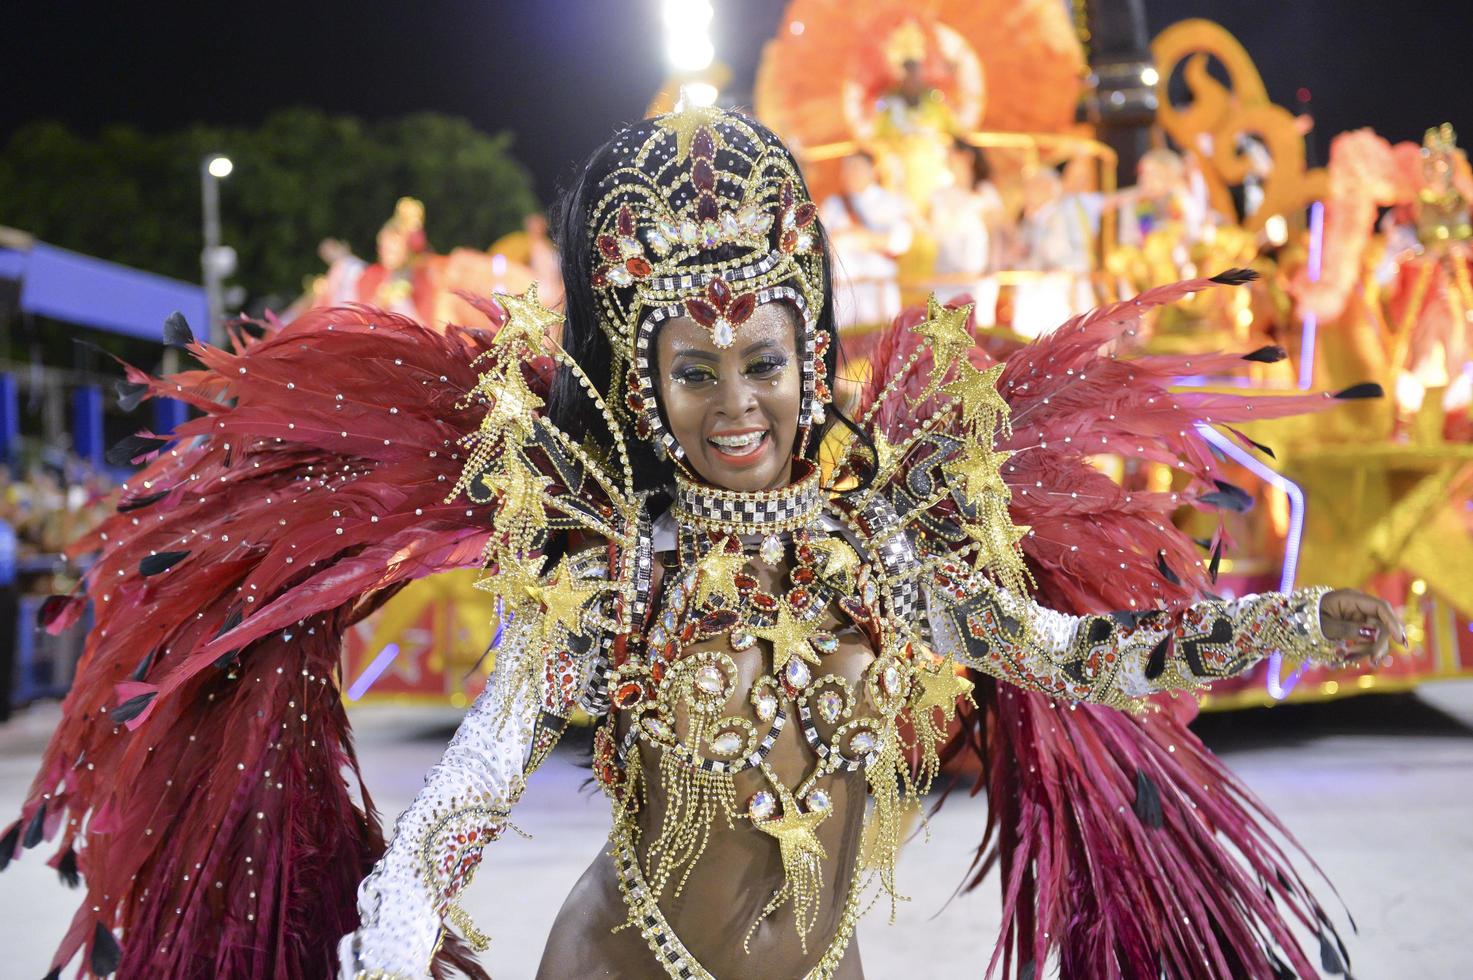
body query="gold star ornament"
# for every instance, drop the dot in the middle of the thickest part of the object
(979, 402)
(717, 574)
(527, 320)
(685, 122)
(562, 599)
(979, 472)
(939, 686)
(795, 829)
(945, 330)
(840, 561)
(789, 638)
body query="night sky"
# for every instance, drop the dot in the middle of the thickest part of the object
(562, 74)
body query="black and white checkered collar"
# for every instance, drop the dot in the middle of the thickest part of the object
(799, 504)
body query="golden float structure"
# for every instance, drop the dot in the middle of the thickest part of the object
(1366, 495)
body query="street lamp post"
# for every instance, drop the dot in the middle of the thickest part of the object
(216, 261)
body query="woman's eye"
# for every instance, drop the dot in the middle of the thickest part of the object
(694, 375)
(766, 367)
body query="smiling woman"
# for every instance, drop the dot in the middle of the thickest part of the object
(734, 410)
(775, 652)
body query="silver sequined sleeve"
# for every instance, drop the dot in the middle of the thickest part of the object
(1118, 658)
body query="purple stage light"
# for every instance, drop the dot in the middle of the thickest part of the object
(373, 671)
(1277, 689)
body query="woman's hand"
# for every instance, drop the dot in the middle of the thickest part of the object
(1364, 625)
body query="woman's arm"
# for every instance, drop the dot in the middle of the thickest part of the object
(467, 797)
(1119, 658)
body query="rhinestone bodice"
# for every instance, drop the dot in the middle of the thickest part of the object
(805, 721)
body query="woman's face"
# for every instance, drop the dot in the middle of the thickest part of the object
(734, 411)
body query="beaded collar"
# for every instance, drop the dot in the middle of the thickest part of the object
(738, 512)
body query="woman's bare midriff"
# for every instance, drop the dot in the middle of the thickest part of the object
(732, 882)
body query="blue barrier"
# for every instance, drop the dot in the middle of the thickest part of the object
(168, 415)
(87, 432)
(9, 418)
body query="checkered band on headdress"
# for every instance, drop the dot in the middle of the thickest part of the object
(690, 186)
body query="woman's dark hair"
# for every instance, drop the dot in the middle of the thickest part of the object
(981, 169)
(569, 408)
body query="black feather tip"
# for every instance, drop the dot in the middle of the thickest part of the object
(131, 448)
(106, 954)
(1165, 569)
(8, 843)
(1147, 804)
(1281, 969)
(67, 868)
(36, 829)
(130, 394)
(160, 562)
(176, 331)
(138, 503)
(1216, 562)
(144, 665)
(131, 708)
(231, 622)
(1366, 389)
(54, 974)
(1271, 354)
(1228, 497)
(1266, 450)
(1235, 277)
(1330, 956)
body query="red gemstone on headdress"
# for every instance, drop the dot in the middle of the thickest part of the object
(821, 343)
(789, 241)
(626, 221)
(638, 266)
(702, 312)
(703, 145)
(718, 291)
(703, 175)
(608, 245)
(741, 309)
(600, 277)
(706, 207)
(764, 601)
(785, 194)
(805, 213)
(745, 582)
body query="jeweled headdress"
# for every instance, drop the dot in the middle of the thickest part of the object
(705, 215)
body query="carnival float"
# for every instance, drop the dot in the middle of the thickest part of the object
(972, 150)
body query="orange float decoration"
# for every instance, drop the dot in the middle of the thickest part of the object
(1012, 65)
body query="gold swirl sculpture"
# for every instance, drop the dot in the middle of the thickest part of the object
(1223, 113)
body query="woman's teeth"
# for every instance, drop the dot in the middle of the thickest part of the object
(745, 441)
